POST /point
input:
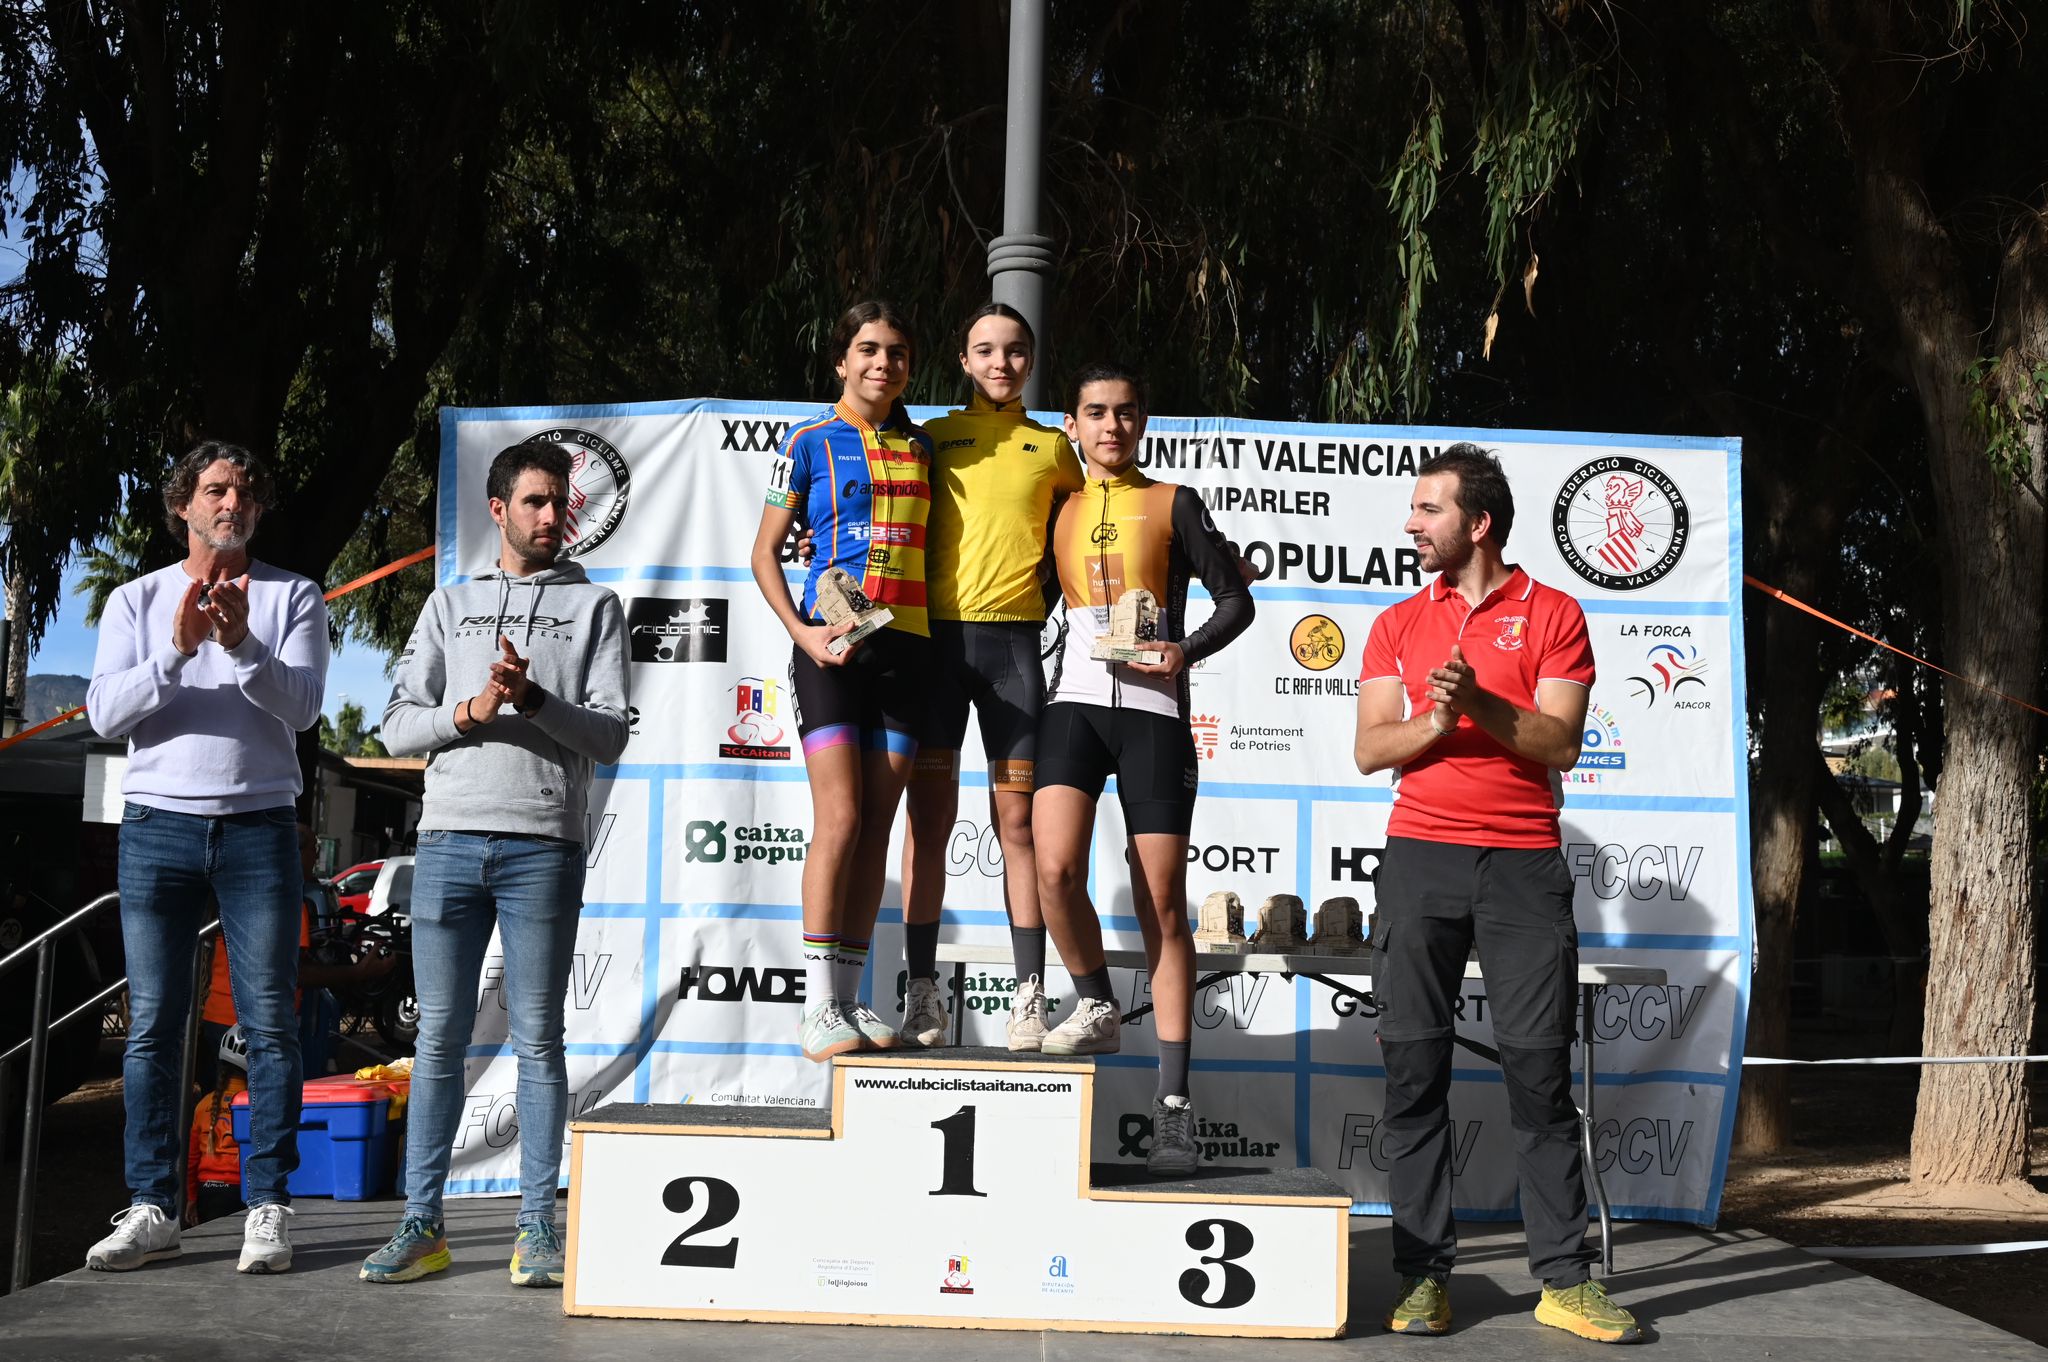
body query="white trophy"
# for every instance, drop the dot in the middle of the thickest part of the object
(840, 599)
(1133, 623)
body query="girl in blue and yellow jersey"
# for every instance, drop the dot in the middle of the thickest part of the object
(996, 475)
(859, 475)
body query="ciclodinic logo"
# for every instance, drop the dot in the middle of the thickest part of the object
(1317, 643)
(598, 484)
(664, 629)
(1620, 522)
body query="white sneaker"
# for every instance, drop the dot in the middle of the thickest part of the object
(266, 1242)
(875, 1034)
(1092, 1028)
(142, 1234)
(1174, 1153)
(924, 1014)
(1025, 1030)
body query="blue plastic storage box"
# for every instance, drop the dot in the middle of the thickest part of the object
(344, 1140)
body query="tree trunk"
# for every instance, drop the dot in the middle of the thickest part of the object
(17, 648)
(1781, 806)
(1972, 1119)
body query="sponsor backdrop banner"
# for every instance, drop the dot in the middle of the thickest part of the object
(688, 986)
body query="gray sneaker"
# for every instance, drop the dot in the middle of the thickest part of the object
(418, 1248)
(924, 1014)
(266, 1239)
(537, 1255)
(1092, 1028)
(142, 1234)
(1025, 1031)
(827, 1032)
(875, 1033)
(1174, 1152)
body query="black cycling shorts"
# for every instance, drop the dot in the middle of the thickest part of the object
(1151, 755)
(995, 667)
(876, 699)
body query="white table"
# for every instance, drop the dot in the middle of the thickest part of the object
(1213, 967)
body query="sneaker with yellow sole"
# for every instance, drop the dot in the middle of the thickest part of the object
(1586, 1311)
(1423, 1307)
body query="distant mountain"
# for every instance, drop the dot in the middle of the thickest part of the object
(49, 696)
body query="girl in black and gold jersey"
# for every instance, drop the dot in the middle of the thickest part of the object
(1122, 532)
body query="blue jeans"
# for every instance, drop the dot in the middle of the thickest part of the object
(250, 863)
(531, 889)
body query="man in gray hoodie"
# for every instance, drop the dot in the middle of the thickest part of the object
(514, 684)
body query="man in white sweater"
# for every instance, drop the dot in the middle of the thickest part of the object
(209, 667)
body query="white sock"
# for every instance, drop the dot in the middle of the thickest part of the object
(853, 959)
(821, 952)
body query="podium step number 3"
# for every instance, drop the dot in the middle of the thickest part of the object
(948, 1192)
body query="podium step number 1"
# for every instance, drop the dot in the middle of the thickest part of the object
(952, 1191)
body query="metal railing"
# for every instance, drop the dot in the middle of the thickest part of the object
(43, 947)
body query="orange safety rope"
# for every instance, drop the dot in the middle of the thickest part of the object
(1798, 604)
(341, 590)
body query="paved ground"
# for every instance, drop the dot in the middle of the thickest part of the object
(1729, 1297)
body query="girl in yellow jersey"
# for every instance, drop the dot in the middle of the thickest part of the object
(996, 475)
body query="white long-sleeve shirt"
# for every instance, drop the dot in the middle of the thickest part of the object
(211, 733)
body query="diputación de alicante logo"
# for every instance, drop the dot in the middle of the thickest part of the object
(598, 484)
(1620, 522)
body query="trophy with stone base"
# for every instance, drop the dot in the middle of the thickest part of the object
(1340, 928)
(1220, 927)
(841, 600)
(1283, 925)
(1133, 623)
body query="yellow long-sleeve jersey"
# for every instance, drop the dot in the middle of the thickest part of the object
(995, 474)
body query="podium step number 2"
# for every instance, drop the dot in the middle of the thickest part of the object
(952, 1191)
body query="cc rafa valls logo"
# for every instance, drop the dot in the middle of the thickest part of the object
(1317, 643)
(598, 484)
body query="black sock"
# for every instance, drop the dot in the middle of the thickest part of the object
(1095, 985)
(1027, 948)
(921, 949)
(1173, 1069)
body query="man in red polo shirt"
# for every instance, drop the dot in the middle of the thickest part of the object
(1474, 692)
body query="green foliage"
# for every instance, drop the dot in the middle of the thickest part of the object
(2008, 411)
(349, 733)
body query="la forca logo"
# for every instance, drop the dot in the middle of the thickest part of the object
(1215, 1139)
(598, 485)
(957, 1282)
(756, 732)
(1620, 523)
(665, 629)
(1668, 669)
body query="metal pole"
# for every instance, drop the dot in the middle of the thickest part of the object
(201, 964)
(32, 1119)
(1020, 260)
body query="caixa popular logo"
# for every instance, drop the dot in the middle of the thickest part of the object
(706, 839)
(756, 732)
(1620, 522)
(665, 629)
(741, 984)
(598, 485)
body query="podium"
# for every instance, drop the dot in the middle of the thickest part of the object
(949, 1189)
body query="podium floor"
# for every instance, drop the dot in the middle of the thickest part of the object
(1728, 1296)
